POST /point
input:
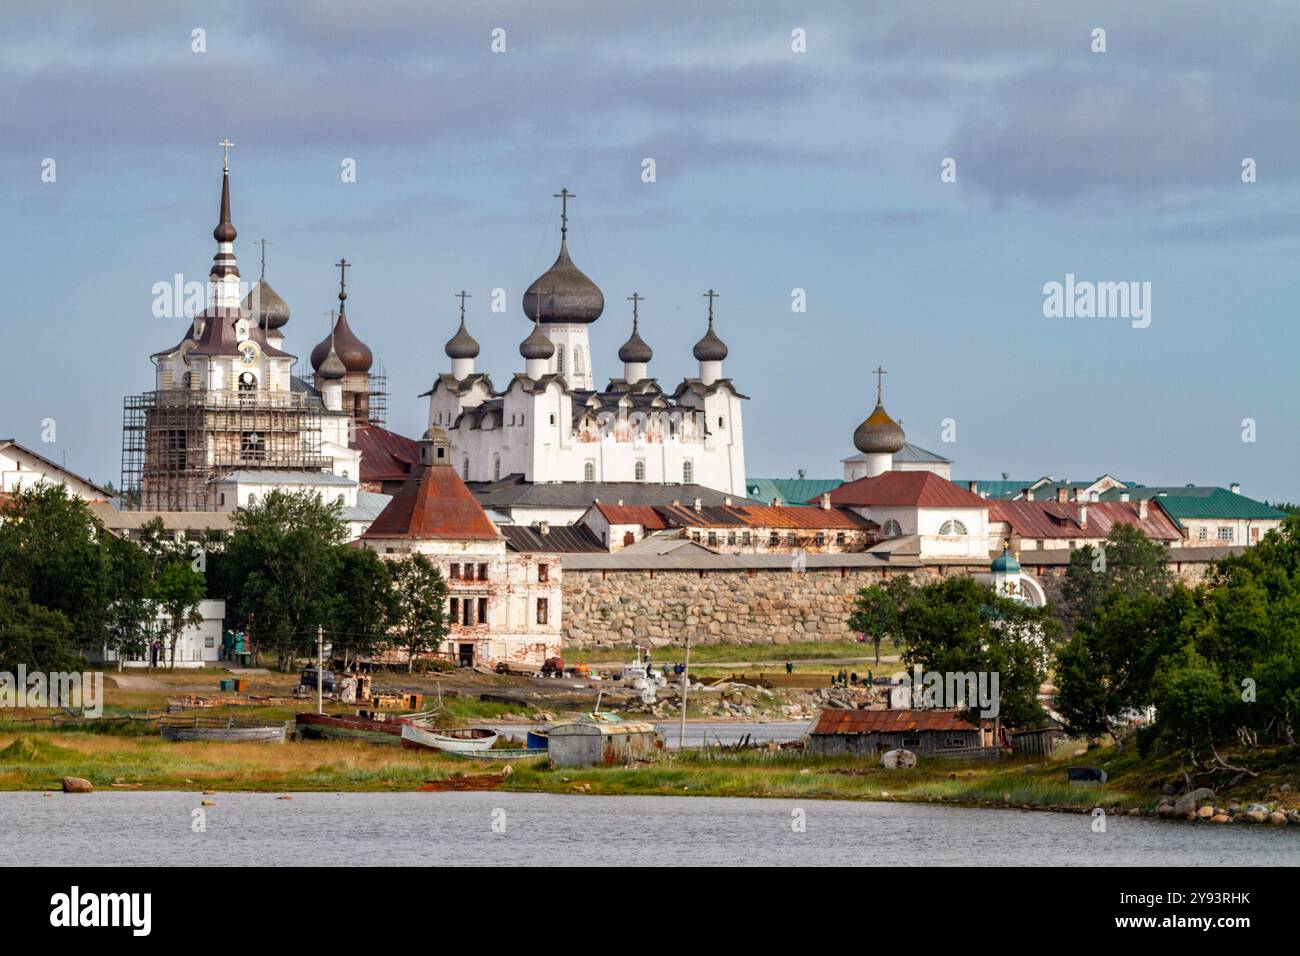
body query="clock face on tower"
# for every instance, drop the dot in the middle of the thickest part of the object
(248, 353)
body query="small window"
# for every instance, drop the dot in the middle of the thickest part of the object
(589, 471)
(892, 529)
(953, 743)
(746, 538)
(773, 539)
(454, 614)
(559, 366)
(911, 741)
(688, 472)
(455, 572)
(464, 468)
(577, 361)
(790, 539)
(722, 422)
(543, 573)
(482, 572)
(731, 537)
(839, 538)
(1225, 534)
(640, 469)
(952, 527)
(482, 610)
(1203, 534)
(496, 467)
(713, 537)
(552, 419)
(543, 610)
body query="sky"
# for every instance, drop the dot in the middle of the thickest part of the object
(775, 169)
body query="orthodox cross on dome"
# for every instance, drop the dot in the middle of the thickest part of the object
(263, 243)
(537, 295)
(462, 295)
(880, 374)
(329, 314)
(343, 281)
(711, 295)
(564, 196)
(225, 145)
(634, 298)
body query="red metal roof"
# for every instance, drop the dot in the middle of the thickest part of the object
(920, 489)
(1053, 519)
(385, 455)
(434, 504)
(889, 721)
(765, 516)
(644, 515)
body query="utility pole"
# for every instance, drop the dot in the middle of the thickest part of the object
(686, 680)
(320, 669)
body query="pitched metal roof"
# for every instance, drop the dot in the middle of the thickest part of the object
(1052, 519)
(277, 476)
(1204, 501)
(385, 455)
(836, 721)
(643, 515)
(920, 489)
(564, 539)
(791, 491)
(513, 492)
(434, 504)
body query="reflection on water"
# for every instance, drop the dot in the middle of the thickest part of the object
(491, 829)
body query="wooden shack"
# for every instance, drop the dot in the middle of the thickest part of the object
(588, 743)
(869, 733)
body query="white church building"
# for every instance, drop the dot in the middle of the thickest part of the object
(550, 423)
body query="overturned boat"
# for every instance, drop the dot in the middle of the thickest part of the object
(376, 728)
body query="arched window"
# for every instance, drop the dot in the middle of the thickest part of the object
(952, 527)
(464, 468)
(496, 468)
(589, 471)
(577, 361)
(688, 472)
(892, 529)
(559, 361)
(640, 469)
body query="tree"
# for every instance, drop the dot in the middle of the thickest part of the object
(1104, 673)
(364, 603)
(1128, 563)
(958, 625)
(876, 608)
(51, 548)
(277, 571)
(420, 620)
(31, 635)
(180, 589)
(132, 610)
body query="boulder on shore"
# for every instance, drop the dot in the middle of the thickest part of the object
(77, 785)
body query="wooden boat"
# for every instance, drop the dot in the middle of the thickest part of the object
(499, 753)
(221, 729)
(350, 726)
(419, 737)
(539, 739)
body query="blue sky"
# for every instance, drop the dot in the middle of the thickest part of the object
(775, 170)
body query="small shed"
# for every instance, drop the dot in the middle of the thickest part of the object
(1036, 743)
(868, 733)
(591, 743)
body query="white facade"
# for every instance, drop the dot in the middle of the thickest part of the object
(198, 645)
(944, 532)
(23, 468)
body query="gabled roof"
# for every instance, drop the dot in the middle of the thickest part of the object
(1052, 519)
(385, 455)
(1204, 501)
(562, 539)
(434, 504)
(764, 516)
(791, 491)
(918, 489)
(6, 443)
(836, 721)
(644, 515)
(513, 492)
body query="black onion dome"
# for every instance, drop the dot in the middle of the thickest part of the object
(879, 434)
(565, 293)
(332, 368)
(537, 345)
(462, 345)
(270, 310)
(635, 348)
(352, 352)
(710, 348)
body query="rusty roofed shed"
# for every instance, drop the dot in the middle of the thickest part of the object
(867, 733)
(586, 743)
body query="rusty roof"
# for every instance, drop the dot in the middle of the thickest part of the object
(644, 515)
(558, 539)
(434, 504)
(833, 721)
(1054, 519)
(921, 489)
(385, 455)
(764, 516)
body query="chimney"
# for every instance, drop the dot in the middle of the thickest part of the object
(984, 495)
(620, 502)
(826, 501)
(1143, 506)
(1235, 488)
(1124, 496)
(1062, 495)
(1083, 517)
(1029, 494)
(727, 501)
(677, 502)
(699, 505)
(973, 487)
(543, 527)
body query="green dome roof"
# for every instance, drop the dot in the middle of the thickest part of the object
(1005, 563)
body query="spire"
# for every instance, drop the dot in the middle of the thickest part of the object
(564, 196)
(343, 284)
(225, 231)
(571, 298)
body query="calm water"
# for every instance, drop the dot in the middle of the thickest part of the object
(544, 829)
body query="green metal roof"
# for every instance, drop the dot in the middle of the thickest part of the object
(1200, 501)
(792, 491)
(998, 489)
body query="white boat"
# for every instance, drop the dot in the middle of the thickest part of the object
(467, 740)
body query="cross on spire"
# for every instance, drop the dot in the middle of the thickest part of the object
(564, 196)
(343, 281)
(710, 295)
(225, 145)
(462, 295)
(537, 312)
(329, 314)
(634, 298)
(263, 243)
(880, 374)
